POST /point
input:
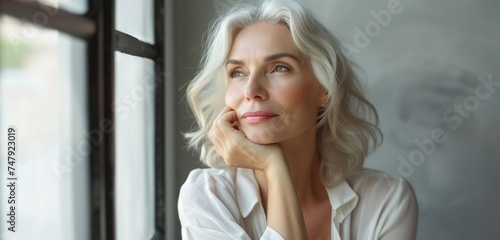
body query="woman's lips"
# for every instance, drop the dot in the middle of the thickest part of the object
(258, 116)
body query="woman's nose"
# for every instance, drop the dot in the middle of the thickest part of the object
(255, 88)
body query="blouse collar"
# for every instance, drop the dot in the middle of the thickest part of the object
(247, 191)
(342, 198)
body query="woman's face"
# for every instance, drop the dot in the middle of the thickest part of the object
(271, 86)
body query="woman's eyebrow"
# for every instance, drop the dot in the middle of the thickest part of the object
(268, 58)
(281, 55)
(234, 61)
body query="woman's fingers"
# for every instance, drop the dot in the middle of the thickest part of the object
(228, 141)
(226, 124)
(224, 111)
(224, 120)
(232, 144)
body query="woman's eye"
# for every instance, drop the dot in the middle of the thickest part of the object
(280, 68)
(236, 73)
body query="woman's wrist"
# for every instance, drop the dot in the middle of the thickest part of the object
(277, 168)
(284, 213)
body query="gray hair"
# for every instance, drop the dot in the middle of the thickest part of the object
(345, 134)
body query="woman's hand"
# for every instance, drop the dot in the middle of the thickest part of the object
(284, 213)
(236, 149)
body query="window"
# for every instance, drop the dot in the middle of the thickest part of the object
(42, 85)
(84, 91)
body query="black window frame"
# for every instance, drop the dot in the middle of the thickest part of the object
(97, 28)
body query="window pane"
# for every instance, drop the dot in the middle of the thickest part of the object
(74, 6)
(43, 96)
(136, 18)
(134, 173)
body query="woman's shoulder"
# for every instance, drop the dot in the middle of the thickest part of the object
(386, 205)
(205, 188)
(209, 194)
(368, 181)
(209, 178)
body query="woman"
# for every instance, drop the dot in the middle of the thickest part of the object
(282, 124)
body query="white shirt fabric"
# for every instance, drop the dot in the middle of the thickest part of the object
(216, 204)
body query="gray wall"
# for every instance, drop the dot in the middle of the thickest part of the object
(420, 66)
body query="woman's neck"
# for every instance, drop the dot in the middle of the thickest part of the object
(304, 163)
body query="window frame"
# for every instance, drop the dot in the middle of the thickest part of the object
(97, 28)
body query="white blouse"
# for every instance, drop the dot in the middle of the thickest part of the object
(217, 204)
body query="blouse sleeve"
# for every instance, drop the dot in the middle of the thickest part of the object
(208, 210)
(401, 215)
(270, 233)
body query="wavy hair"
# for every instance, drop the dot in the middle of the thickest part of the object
(345, 134)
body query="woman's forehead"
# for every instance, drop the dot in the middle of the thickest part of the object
(263, 39)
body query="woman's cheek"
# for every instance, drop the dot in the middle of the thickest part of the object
(293, 93)
(232, 96)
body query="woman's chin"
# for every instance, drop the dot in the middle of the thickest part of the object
(260, 137)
